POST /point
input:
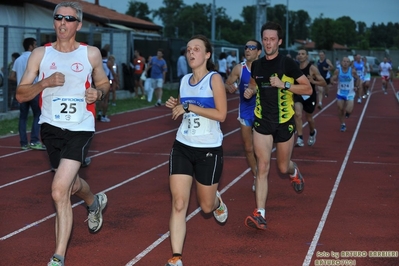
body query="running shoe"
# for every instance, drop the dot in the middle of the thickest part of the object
(25, 147)
(320, 106)
(158, 104)
(95, 218)
(256, 221)
(175, 261)
(221, 213)
(312, 139)
(105, 119)
(297, 181)
(343, 128)
(86, 162)
(254, 185)
(359, 100)
(299, 142)
(37, 146)
(347, 115)
(54, 262)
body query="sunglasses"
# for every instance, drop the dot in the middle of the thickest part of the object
(251, 47)
(67, 18)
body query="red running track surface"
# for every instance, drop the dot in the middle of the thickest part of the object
(349, 208)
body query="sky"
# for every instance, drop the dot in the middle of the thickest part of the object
(368, 11)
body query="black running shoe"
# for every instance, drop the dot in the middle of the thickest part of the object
(256, 221)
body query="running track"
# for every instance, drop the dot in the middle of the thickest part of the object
(350, 202)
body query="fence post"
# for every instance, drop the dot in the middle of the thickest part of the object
(4, 98)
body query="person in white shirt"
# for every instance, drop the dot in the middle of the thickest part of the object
(385, 72)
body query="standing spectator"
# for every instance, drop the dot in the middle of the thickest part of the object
(307, 102)
(158, 74)
(385, 69)
(181, 65)
(325, 66)
(107, 66)
(149, 90)
(345, 77)
(115, 78)
(222, 65)
(197, 153)
(12, 84)
(16, 74)
(238, 80)
(274, 80)
(138, 69)
(231, 60)
(67, 119)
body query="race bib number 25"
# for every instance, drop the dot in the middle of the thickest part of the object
(68, 109)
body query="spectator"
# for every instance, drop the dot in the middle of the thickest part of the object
(16, 74)
(158, 74)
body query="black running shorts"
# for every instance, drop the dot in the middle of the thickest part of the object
(204, 164)
(280, 132)
(62, 143)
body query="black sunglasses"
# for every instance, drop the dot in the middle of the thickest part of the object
(251, 47)
(67, 18)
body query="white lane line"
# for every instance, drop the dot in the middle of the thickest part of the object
(95, 155)
(109, 189)
(81, 202)
(191, 215)
(323, 220)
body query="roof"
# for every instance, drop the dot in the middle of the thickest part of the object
(103, 15)
(308, 44)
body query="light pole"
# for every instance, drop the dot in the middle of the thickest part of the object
(261, 17)
(213, 23)
(286, 29)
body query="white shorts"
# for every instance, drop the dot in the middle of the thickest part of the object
(157, 83)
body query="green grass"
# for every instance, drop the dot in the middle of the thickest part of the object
(10, 126)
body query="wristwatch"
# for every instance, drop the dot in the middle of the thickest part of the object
(287, 85)
(185, 107)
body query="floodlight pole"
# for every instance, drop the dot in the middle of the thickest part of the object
(213, 22)
(286, 29)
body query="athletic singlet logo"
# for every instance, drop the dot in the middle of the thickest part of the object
(53, 66)
(77, 67)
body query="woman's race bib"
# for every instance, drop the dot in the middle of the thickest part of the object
(194, 125)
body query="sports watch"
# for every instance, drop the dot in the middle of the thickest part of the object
(185, 107)
(287, 85)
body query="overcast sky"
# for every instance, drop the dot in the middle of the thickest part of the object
(368, 11)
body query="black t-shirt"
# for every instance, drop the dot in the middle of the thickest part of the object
(275, 105)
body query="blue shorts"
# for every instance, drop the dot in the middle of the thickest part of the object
(345, 98)
(246, 122)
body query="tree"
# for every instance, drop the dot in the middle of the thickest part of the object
(322, 33)
(168, 14)
(138, 10)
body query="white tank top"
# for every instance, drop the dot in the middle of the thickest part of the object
(65, 106)
(195, 130)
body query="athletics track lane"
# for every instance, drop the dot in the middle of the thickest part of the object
(138, 211)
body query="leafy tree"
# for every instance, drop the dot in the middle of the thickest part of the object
(168, 14)
(139, 10)
(322, 33)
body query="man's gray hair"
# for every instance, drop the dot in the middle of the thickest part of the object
(74, 5)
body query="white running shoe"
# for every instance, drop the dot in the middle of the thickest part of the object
(299, 142)
(312, 139)
(221, 213)
(105, 119)
(95, 218)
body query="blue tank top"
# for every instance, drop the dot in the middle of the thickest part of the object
(359, 67)
(247, 106)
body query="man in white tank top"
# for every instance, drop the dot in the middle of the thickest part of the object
(67, 71)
